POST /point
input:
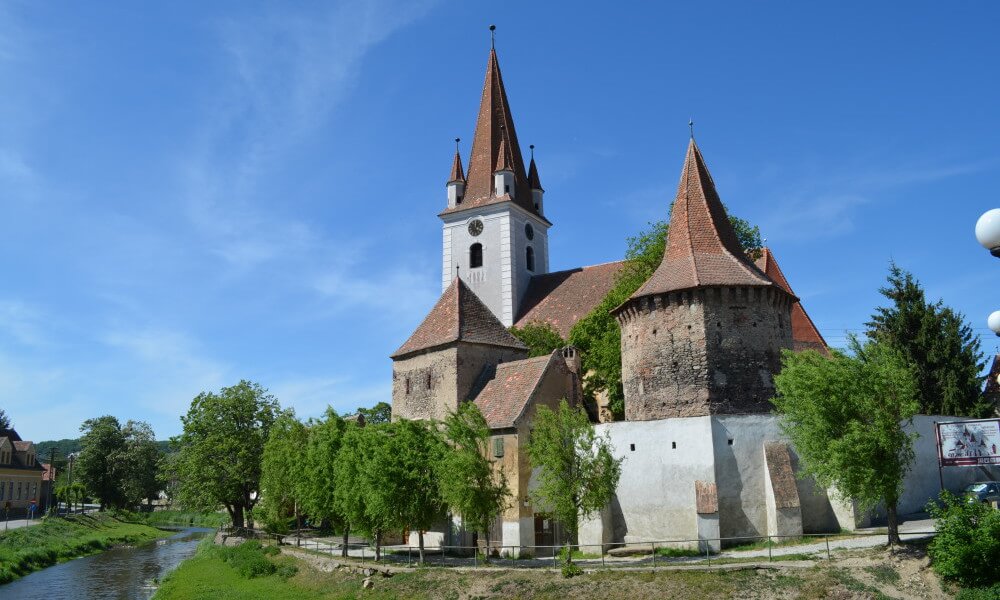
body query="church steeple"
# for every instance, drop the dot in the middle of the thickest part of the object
(495, 129)
(537, 191)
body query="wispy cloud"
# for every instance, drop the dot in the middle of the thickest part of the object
(827, 206)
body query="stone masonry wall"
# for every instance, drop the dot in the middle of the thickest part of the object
(430, 385)
(701, 352)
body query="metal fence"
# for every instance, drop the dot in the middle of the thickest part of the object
(652, 554)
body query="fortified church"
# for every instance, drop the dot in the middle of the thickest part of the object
(701, 342)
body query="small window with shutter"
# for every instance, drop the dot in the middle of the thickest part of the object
(498, 447)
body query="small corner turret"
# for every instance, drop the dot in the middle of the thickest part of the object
(537, 192)
(456, 183)
(503, 173)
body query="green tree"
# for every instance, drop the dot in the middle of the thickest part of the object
(406, 469)
(4, 420)
(140, 457)
(100, 467)
(470, 484)
(283, 481)
(319, 495)
(846, 416)
(938, 342)
(71, 494)
(376, 415)
(577, 471)
(540, 338)
(598, 336)
(221, 449)
(349, 481)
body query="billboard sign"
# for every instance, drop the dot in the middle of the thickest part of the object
(969, 443)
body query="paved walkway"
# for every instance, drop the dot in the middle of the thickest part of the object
(914, 529)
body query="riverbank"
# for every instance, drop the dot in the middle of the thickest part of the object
(58, 539)
(873, 573)
(178, 518)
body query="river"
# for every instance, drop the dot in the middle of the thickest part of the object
(118, 574)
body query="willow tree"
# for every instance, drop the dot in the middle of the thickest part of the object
(577, 471)
(283, 483)
(847, 417)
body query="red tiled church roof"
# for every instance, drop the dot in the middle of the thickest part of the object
(459, 315)
(505, 397)
(804, 332)
(702, 248)
(564, 297)
(494, 128)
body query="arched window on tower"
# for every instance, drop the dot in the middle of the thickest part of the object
(475, 255)
(530, 258)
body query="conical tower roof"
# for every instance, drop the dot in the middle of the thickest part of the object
(702, 247)
(458, 316)
(457, 174)
(494, 128)
(533, 181)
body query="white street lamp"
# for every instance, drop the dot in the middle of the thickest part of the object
(988, 231)
(994, 322)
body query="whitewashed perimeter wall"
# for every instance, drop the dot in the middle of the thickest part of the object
(656, 498)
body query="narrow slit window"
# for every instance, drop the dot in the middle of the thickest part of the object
(428, 381)
(498, 447)
(529, 255)
(407, 386)
(475, 256)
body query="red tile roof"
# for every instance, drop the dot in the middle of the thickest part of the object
(459, 315)
(533, 180)
(505, 397)
(22, 446)
(564, 297)
(457, 174)
(702, 248)
(804, 332)
(504, 161)
(495, 125)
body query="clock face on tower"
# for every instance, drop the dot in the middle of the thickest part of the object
(475, 227)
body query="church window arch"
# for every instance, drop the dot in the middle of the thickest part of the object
(475, 256)
(529, 257)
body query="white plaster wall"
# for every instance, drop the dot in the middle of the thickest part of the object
(740, 476)
(922, 483)
(503, 279)
(656, 498)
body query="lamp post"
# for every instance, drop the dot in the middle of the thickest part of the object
(994, 322)
(988, 231)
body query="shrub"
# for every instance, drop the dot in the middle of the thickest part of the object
(967, 546)
(248, 559)
(990, 593)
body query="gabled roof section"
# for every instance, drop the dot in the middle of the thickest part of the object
(533, 180)
(805, 335)
(562, 298)
(504, 160)
(494, 127)
(505, 397)
(10, 433)
(458, 316)
(457, 174)
(702, 247)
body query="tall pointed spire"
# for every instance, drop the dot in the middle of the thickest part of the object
(494, 129)
(702, 247)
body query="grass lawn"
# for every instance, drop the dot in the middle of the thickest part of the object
(57, 539)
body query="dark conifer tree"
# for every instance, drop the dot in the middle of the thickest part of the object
(942, 347)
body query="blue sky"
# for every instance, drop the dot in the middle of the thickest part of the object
(195, 193)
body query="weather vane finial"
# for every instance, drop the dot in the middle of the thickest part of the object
(532, 147)
(493, 36)
(691, 127)
(457, 140)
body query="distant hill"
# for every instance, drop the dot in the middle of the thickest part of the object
(67, 446)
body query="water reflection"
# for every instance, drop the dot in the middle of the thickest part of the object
(121, 573)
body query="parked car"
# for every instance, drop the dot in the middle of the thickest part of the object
(983, 491)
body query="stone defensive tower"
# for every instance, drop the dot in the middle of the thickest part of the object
(703, 335)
